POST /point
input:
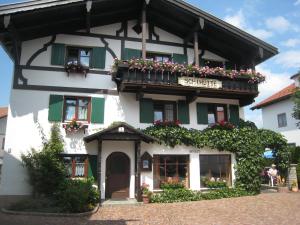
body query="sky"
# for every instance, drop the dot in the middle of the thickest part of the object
(274, 21)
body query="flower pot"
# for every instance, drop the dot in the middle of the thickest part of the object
(294, 189)
(282, 189)
(146, 199)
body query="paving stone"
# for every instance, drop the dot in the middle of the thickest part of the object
(264, 209)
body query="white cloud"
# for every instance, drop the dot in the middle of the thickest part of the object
(292, 42)
(260, 33)
(297, 2)
(289, 59)
(239, 20)
(280, 24)
(274, 83)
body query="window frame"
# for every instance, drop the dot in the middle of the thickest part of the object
(281, 125)
(78, 48)
(215, 106)
(73, 163)
(230, 168)
(151, 55)
(162, 102)
(157, 157)
(77, 98)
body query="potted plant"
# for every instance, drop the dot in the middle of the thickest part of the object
(74, 126)
(294, 186)
(75, 67)
(146, 193)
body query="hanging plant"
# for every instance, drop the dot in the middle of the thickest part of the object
(188, 70)
(74, 126)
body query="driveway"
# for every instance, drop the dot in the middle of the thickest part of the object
(264, 209)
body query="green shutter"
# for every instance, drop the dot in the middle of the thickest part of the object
(92, 167)
(98, 57)
(56, 103)
(97, 110)
(234, 114)
(132, 54)
(183, 112)
(180, 58)
(202, 113)
(146, 111)
(58, 54)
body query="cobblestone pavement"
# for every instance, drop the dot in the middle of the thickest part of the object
(264, 209)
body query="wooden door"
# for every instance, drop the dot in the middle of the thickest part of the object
(117, 176)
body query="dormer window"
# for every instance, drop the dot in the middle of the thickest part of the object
(78, 56)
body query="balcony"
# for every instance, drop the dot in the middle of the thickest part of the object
(140, 80)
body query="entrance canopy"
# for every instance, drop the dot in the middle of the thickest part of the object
(119, 131)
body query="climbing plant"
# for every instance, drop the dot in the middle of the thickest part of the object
(247, 142)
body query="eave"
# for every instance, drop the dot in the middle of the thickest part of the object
(35, 19)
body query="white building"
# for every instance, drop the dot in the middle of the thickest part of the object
(3, 120)
(277, 112)
(63, 53)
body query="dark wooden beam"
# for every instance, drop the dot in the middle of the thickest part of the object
(192, 97)
(138, 171)
(99, 165)
(88, 15)
(199, 25)
(139, 95)
(196, 48)
(144, 31)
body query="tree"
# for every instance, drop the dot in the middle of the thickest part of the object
(296, 109)
(45, 168)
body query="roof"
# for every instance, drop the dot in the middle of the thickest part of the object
(40, 18)
(3, 112)
(127, 133)
(279, 96)
(32, 5)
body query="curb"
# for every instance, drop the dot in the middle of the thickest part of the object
(12, 212)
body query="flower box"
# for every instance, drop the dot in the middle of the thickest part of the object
(73, 67)
(74, 126)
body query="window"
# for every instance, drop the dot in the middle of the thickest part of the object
(77, 108)
(77, 166)
(216, 113)
(215, 168)
(79, 56)
(158, 57)
(282, 120)
(171, 168)
(164, 111)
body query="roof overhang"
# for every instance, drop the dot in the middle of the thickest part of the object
(120, 131)
(39, 18)
(259, 106)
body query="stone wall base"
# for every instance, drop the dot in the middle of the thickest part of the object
(6, 200)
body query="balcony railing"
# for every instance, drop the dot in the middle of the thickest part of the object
(166, 82)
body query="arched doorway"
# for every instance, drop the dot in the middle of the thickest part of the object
(117, 176)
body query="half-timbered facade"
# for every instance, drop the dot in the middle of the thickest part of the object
(66, 70)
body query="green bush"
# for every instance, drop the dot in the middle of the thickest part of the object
(247, 143)
(216, 184)
(183, 195)
(45, 168)
(77, 195)
(175, 185)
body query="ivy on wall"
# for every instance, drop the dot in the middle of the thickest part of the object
(246, 141)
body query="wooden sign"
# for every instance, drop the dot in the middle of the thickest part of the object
(200, 82)
(146, 162)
